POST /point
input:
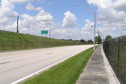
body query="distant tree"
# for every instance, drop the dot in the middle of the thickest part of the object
(98, 39)
(82, 41)
(70, 40)
(90, 41)
(108, 37)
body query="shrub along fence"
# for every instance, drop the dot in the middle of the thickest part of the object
(115, 50)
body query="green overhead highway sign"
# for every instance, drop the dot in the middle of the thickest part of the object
(44, 32)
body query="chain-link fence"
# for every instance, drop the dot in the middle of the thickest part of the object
(115, 50)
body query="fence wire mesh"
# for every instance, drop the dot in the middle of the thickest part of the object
(115, 50)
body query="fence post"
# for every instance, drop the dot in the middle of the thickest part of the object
(118, 57)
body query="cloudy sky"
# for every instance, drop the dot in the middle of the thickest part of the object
(62, 18)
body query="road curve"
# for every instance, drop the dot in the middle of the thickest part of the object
(18, 64)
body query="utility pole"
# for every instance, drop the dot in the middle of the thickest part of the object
(50, 32)
(94, 14)
(98, 31)
(17, 24)
(94, 27)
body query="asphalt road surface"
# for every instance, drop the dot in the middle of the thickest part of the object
(18, 64)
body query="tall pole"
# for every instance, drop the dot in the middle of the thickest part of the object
(17, 24)
(98, 31)
(94, 27)
(94, 14)
(50, 32)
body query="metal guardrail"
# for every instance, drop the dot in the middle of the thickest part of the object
(115, 50)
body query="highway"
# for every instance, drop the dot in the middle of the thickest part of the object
(15, 65)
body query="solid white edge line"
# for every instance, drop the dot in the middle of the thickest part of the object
(35, 73)
(109, 66)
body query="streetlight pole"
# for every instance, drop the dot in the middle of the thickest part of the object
(94, 14)
(94, 27)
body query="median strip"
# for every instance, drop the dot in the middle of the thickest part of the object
(66, 72)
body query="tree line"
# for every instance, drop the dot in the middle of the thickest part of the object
(98, 39)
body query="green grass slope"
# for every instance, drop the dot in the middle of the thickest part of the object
(14, 41)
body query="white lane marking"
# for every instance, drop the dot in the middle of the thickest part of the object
(49, 53)
(5, 62)
(35, 73)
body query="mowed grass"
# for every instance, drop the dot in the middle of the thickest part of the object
(10, 41)
(66, 72)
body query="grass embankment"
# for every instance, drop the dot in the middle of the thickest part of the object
(13, 41)
(66, 72)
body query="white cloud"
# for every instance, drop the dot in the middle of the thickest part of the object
(124, 32)
(34, 24)
(88, 30)
(27, 24)
(31, 7)
(69, 20)
(44, 16)
(63, 33)
(6, 11)
(106, 11)
(88, 25)
(101, 3)
(111, 14)
(19, 1)
(120, 5)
